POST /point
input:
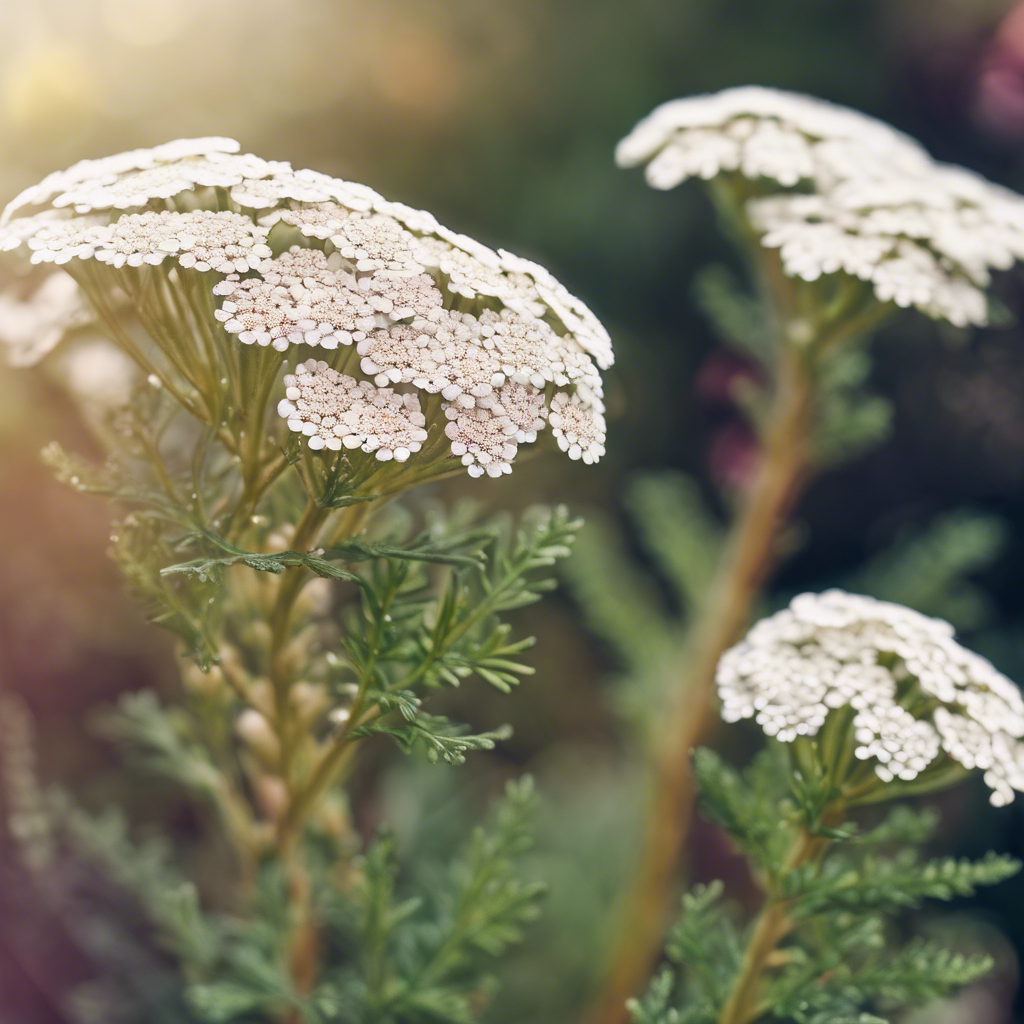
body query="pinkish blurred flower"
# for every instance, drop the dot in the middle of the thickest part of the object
(725, 377)
(725, 381)
(734, 455)
(999, 96)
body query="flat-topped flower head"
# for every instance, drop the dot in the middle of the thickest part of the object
(440, 355)
(484, 438)
(368, 241)
(388, 424)
(316, 397)
(401, 296)
(578, 427)
(166, 180)
(302, 297)
(763, 133)
(322, 219)
(59, 240)
(572, 312)
(530, 352)
(420, 317)
(302, 187)
(474, 271)
(376, 242)
(839, 193)
(919, 698)
(16, 234)
(524, 406)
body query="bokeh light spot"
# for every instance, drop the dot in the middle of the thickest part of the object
(53, 81)
(145, 22)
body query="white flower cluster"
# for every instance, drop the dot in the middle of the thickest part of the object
(764, 133)
(109, 169)
(220, 241)
(870, 202)
(166, 180)
(916, 692)
(333, 409)
(496, 336)
(929, 241)
(223, 242)
(302, 297)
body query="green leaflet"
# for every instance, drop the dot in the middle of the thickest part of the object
(838, 958)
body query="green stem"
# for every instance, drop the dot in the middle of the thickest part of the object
(253, 489)
(851, 327)
(95, 293)
(338, 750)
(259, 376)
(302, 944)
(171, 332)
(156, 461)
(291, 584)
(772, 926)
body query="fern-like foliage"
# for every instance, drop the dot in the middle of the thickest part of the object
(422, 958)
(161, 741)
(408, 630)
(747, 804)
(706, 947)
(850, 419)
(872, 883)
(435, 736)
(145, 869)
(734, 313)
(429, 610)
(645, 627)
(392, 956)
(832, 912)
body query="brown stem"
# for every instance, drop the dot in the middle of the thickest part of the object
(772, 926)
(752, 554)
(304, 951)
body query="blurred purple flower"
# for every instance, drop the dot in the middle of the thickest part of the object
(999, 96)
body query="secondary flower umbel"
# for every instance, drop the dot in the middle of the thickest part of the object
(919, 698)
(837, 192)
(764, 133)
(431, 347)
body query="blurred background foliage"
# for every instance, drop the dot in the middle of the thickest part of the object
(500, 116)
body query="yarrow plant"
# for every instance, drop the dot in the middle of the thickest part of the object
(841, 221)
(270, 356)
(866, 701)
